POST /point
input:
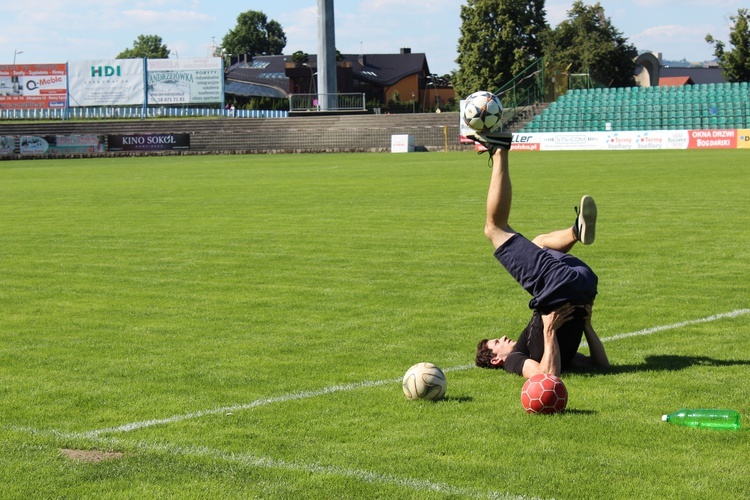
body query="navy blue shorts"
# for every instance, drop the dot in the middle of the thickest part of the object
(552, 278)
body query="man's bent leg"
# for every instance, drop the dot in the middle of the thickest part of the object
(562, 240)
(583, 229)
(585, 226)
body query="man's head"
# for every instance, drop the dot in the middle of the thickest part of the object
(492, 353)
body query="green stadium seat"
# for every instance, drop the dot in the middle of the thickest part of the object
(648, 108)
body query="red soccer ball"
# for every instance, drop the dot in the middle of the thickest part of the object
(544, 393)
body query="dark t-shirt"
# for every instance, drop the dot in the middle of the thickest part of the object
(530, 344)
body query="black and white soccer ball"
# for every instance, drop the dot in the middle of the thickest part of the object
(424, 381)
(483, 111)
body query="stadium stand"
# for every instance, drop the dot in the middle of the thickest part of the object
(338, 133)
(688, 107)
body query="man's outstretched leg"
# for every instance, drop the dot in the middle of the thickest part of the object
(499, 199)
(544, 273)
(583, 230)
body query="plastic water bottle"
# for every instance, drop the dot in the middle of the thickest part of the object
(705, 419)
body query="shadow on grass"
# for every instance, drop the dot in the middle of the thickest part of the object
(668, 362)
(457, 399)
(573, 411)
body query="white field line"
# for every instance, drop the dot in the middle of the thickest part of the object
(419, 485)
(230, 409)
(656, 329)
(359, 385)
(250, 460)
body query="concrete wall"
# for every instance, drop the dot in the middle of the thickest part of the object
(272, 135)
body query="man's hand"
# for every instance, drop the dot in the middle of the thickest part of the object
(550, 362)
(557, 318)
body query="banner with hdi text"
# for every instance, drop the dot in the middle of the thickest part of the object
(113, 82)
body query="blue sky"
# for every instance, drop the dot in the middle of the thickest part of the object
(52, 31)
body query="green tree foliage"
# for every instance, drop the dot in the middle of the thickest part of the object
(255, 35)
(498, 39)
(300, 57)
(587, 42)
(146, 46)
(735, 64)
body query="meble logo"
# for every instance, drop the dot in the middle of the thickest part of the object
(102, 71)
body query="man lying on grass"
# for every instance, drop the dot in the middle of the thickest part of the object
(563, 287)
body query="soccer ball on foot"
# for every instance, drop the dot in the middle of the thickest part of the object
(424, 381)
(482, 111)
(544, 393)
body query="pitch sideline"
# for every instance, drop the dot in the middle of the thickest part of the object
(656, 329)
(350, 387)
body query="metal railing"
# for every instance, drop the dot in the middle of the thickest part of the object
(327, 102)
(134, 112)
(525, 90)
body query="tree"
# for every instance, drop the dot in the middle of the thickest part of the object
(735, 64)
(300, 57)
(146, 46)
(255, 35)
(587, 42)
(498, 39)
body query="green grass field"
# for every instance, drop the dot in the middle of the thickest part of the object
(237, 327)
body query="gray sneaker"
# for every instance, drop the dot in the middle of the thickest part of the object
(585, 225)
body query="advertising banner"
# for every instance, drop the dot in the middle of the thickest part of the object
(61, 144)
(7, 145)
(623, 141)
(148, 142)
(185, 81)
(33, 86)
(602, 141)
(743, 139)
(713, 139)
(115, 82)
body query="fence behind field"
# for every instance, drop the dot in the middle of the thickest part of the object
(98, 113)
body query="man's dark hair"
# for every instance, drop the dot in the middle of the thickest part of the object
(485, 355)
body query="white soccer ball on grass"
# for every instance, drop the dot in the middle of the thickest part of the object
(424, 381)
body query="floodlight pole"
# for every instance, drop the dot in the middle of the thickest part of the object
(15, 53)
(326, 56)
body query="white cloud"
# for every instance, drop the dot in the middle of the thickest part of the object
(396, 8)
(676, 41)
(171, 18)
(556, 13)
(301, 28)
(670, 33)
(710, 5)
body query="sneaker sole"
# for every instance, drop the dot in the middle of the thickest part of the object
(587, 220)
